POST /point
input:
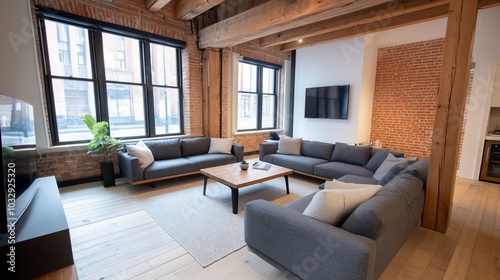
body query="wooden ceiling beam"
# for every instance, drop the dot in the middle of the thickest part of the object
(372, 27)
(189, 9)
(381, 13)
(276, 16)
(156, 5)
(484, 4)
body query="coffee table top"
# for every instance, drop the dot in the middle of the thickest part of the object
(232, 176)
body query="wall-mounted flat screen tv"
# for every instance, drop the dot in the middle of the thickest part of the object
(329, 102)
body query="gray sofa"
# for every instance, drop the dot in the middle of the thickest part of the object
(361, 247)
(329, 161)
(175, 158)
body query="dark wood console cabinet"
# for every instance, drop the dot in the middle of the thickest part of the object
(43, 243)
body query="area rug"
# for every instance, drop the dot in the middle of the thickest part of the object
(205, 225)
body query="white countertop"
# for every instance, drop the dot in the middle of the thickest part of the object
(494, 137)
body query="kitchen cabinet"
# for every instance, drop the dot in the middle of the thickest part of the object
(495, 94)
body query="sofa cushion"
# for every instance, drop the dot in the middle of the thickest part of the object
(358, 155)
(336, 170)
(164, 149)
(298, 163)
(142, 152)
(316, 149)
(195, 146)
(210, 160)
(289, 146)
(377, 159)
(419, 169)
(349, 178)
(168, 167)
(338, 184)
(220, 145)
(333, 206)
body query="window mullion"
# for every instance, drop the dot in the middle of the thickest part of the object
(149, 106)
(259, 97)
(97, 49)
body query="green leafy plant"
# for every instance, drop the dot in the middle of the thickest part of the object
(102, 142)
(244, 162)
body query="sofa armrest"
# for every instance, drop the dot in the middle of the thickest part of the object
(306, 247)
(129, 166)
(239, 151)
(267, 148)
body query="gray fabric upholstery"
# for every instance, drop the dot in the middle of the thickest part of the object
(316, 149)
(395, 170)
(422, 169)
(168, 167)
(300, 205)
(356, 179)
(377, 159)
(296, 241)
(298, 163)
(336, 170)
(209, 160)
(267, 148)
(388, 216)
(358, 155)
(129, 165)
(195, 146)
(164, 149)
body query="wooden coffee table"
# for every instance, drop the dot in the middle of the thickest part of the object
(232, 176)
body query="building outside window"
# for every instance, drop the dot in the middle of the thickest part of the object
(115, 83)
(257, 102)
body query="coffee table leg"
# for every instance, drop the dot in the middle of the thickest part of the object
(205, 185)
(234, 197)
(286, 183)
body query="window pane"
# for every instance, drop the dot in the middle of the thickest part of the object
(268, 80)
(163, 65)
(126, 110)
(247, 77)
(167, 111)
(268, 108)
(68, 47)
(73, 99)
(247, 111)
(122, 58)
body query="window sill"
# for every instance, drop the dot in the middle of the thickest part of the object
(258, 131)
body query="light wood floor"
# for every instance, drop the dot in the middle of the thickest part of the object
(114, 238)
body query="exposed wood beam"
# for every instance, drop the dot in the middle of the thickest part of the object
(484, 4)
(380, 14)
(450, 109)
(393, 22)
(275, 16)
(156, 5)
(189, 9)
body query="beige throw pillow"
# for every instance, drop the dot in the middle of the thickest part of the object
(142, 152)
(220, 145)
(289, 146)
(335, 184)
(334, 206)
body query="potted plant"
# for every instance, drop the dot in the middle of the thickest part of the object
(102, 144)
(244, 165)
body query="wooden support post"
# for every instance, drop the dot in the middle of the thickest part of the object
(449, 114)
(211, 93)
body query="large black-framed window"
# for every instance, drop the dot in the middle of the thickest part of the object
(108, 73)
(257, 95)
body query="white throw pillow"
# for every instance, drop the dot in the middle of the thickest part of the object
(142, 152)
(389, 162)
(334, 184)
(333, 206)
(220, 145)
(289, 146)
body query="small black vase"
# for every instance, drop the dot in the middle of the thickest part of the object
(108, 174)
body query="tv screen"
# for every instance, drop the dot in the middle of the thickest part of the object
(329, 102)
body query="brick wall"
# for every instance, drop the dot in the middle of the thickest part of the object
(76, 164)
(405, 96)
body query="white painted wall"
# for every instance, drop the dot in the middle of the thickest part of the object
(334, 63)
(19, 76)
(487, 55)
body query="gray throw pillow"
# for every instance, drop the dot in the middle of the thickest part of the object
(358, 155)
(388, 163)
(376, 160)
(195, 146)
(395, 170)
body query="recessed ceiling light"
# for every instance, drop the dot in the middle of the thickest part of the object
(300, 40)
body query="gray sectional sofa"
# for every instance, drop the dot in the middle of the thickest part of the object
(328, 161)
(360, 247)
(174, 158)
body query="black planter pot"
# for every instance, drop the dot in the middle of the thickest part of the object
(108, 174)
